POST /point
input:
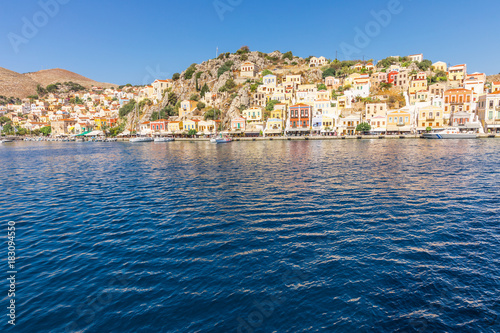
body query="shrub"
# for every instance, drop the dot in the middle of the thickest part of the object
(189, 72)
(288, 55)
(266, 72)
(225, 68)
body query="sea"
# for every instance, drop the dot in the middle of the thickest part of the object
(264, 236)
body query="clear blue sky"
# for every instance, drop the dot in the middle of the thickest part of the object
(129, 41)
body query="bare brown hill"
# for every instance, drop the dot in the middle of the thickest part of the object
(13, 84)
(22, 85)
(50, 76)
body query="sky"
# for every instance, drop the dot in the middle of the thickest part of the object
(138, 41)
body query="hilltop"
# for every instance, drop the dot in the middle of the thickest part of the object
(22, 85)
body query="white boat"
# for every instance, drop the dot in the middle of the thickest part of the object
(450, 133)
(141, 139)
(164, 139)
(6, 140)
(221, 140)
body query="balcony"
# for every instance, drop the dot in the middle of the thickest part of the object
(400, 124)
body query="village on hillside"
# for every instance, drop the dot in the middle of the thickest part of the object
(257, 94)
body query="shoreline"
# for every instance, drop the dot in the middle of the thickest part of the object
(283, 138)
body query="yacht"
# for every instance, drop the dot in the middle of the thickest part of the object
(6, 140)
(141, 139)
(450, 133)
(164, 139)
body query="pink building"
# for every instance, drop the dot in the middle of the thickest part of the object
(238, 123)
(160, 125)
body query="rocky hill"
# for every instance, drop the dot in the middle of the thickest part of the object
(216, 73)
(15, 84)
(493, 78)
(22, 85)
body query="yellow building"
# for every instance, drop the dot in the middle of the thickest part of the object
(190, 124)
(440, 66)
(430, 116)
(399, 121)
(254, 114)
(417, 85)
(175, 127)
(99, 123)
(456, 75)
(274, 126)
(187, 106)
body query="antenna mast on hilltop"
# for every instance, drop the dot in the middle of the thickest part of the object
(217, 52)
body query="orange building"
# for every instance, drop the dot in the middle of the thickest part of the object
(456, 100)
(299, 116)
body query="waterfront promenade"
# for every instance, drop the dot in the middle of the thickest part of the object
(299, 138)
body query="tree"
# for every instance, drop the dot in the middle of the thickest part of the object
(189, 72)
(322, 86)
(176, 76)
(127, 108)
(230, 84)
(287, 55)
(7, 128)
(212, 114)
(270, 105)
(329, 72)
(424, 65)
(363, 127)
(385, 85)
(40, 90)
(243, 50)
(204, 90)
(46, 130)
(172, 98)
(225, 68)
(428, 129)
(167, 111)
(51, 88)
(4, 120)
(192, 132)
(266, 72)
(200, 105)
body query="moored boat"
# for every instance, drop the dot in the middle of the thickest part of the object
(164, 139)
(139, 139)
(450, 133)
(221, 139)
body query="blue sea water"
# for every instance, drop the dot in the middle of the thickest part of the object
(276, 236)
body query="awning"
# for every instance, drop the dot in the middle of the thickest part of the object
(95, 133)
(301, 129)
(492, 126)
(127, 132)
(378, 130)
(272, 131)
(473, 125)
(82, 134)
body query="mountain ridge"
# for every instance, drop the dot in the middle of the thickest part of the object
(13, 84)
